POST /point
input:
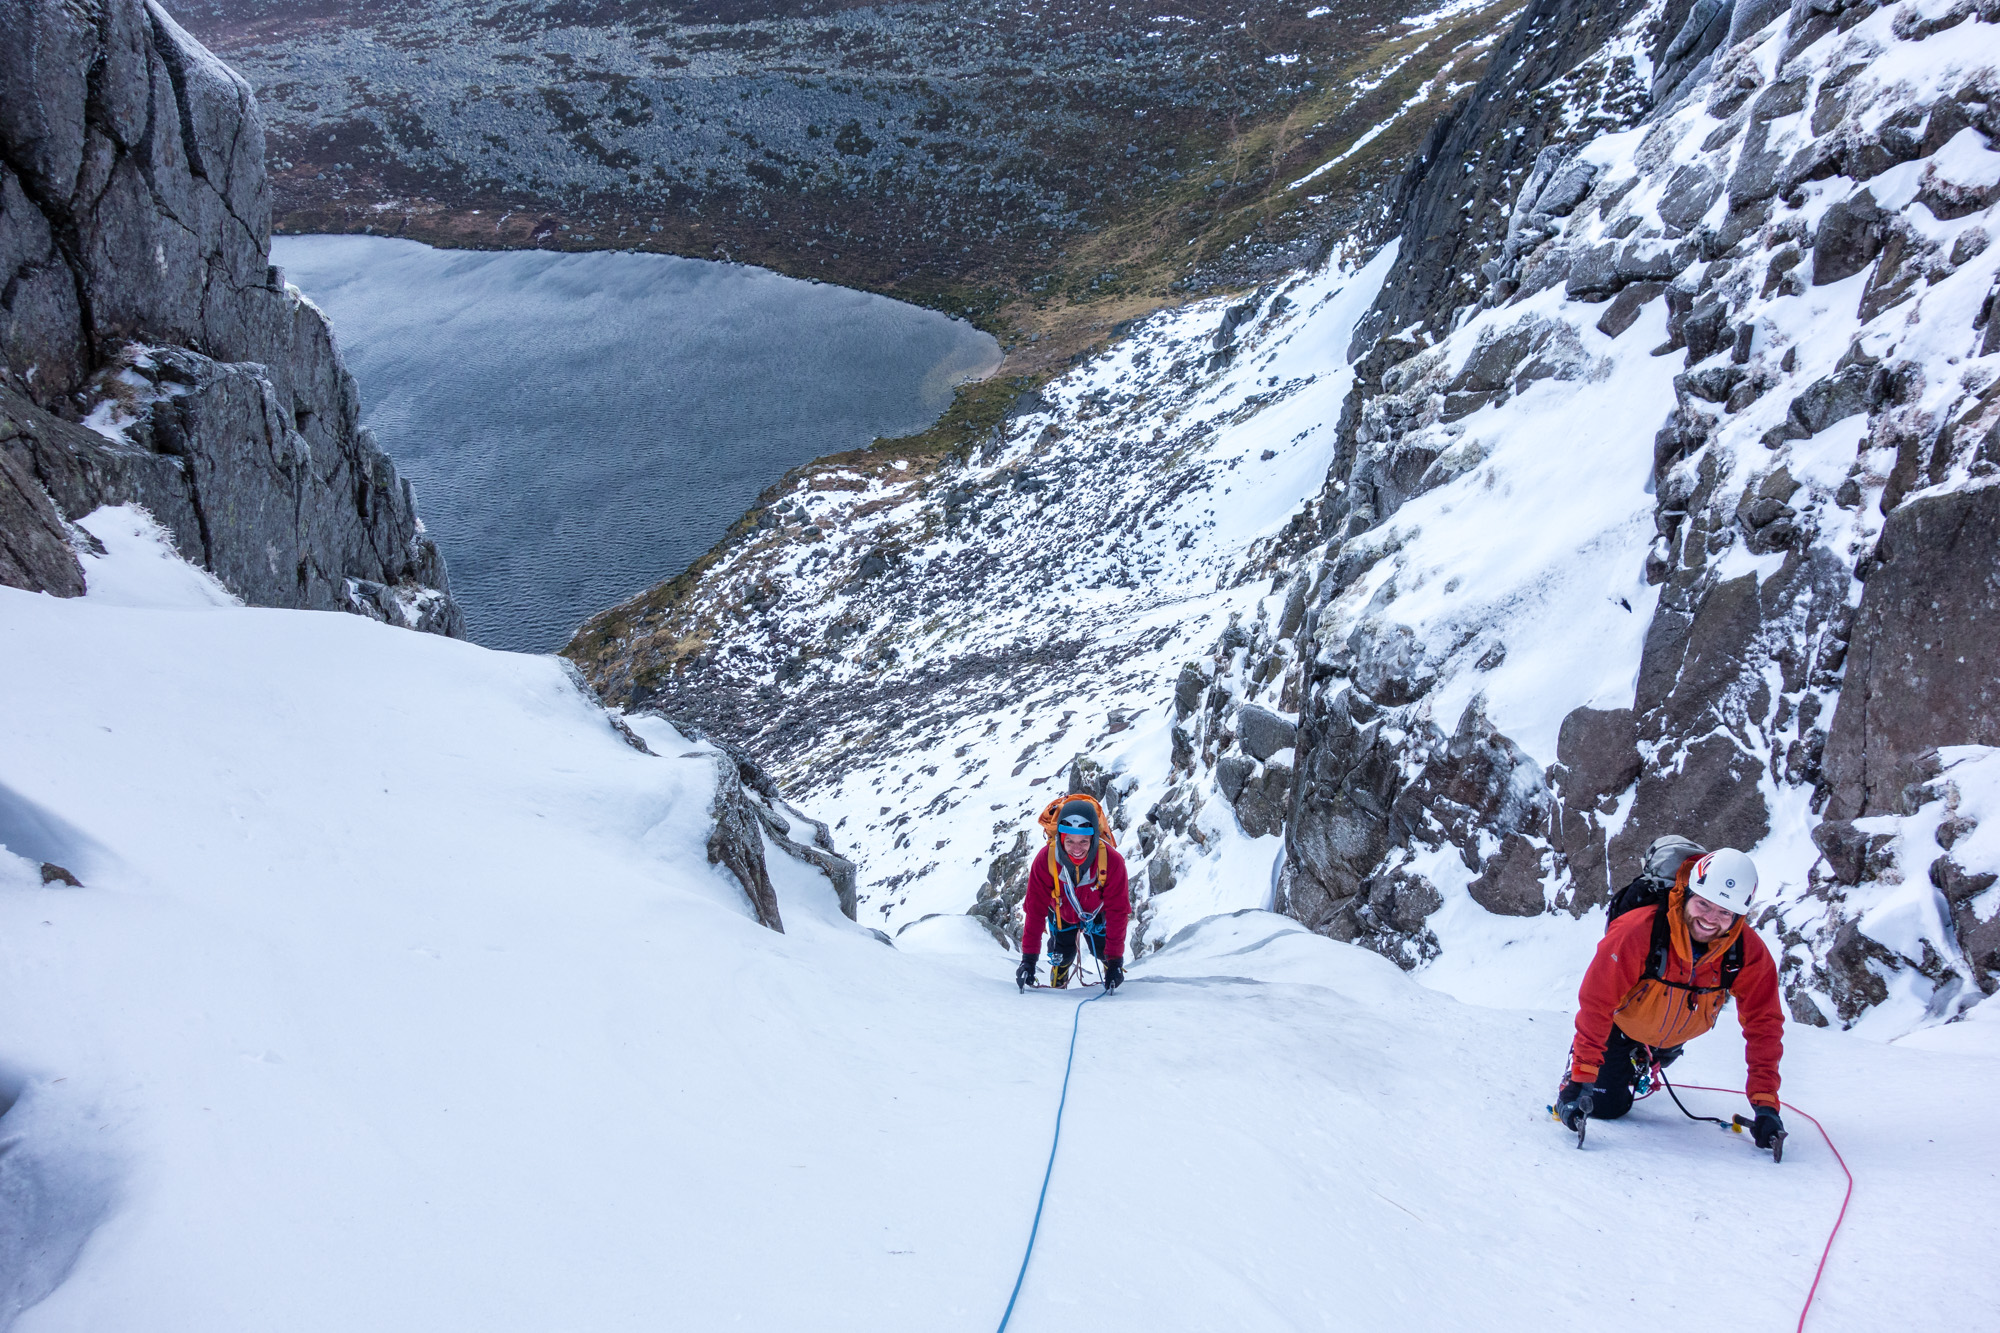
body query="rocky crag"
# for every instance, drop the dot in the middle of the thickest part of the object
(1645, 485)
(1800, 227)
(150, 354)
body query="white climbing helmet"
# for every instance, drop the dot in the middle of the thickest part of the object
(1726, 877)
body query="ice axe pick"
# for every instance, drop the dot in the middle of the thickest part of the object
(1739, 1124)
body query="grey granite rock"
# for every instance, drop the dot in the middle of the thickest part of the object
(1623, 312)
(35, 554)
(1231, 772)
(135, 240)
(1262, 733)
(1919, 662)
(736, 843)
(1264, 799)
(1188, 688)
(1690, 192)
(1510, 883)
(1848, 238)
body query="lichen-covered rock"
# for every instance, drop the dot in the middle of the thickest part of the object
(1348, 778)
(1264, 799)
(1231, 772)
(1849, 237)
(1511, 883)
(1188, 689)
(1623, 312)
(1597, 756)
(1391, 664)
(998, 903)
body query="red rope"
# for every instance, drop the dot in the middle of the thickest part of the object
(1828, 1250)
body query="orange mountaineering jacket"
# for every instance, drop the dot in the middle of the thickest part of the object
(1678, 1005)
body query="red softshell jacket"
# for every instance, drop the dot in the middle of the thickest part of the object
(1113, 898)
(1616, 971)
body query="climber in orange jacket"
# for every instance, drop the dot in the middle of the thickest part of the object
(1662, 974)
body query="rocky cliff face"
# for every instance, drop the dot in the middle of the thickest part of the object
(149, 353)
(1801, 224)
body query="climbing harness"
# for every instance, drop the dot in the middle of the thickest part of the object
(1089, 926)
(1067, 884)
(1073, 972)
(1054, 1142)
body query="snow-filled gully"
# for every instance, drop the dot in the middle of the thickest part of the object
(401, 995)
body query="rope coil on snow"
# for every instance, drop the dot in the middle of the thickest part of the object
(1054, 1142)
(1827, 1250)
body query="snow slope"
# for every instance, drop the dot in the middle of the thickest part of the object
(401, 995)
(1037, 601)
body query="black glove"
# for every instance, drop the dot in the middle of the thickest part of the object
(1114, 975)
(1573, 1104)
(1024, 975)
(1766, 1129)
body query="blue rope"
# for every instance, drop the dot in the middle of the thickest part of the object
(1047, 1174)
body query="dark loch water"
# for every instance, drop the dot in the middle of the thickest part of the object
(579, 427)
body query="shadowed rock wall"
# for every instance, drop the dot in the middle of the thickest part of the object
(1920, 662)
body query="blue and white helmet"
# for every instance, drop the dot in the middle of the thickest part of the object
(1078, 818)
(1726, 877)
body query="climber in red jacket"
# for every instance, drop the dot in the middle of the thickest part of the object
(1662, 974)
(1076, 889)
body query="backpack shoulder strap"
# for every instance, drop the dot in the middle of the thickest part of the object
(1656, 951)
(1732, 963)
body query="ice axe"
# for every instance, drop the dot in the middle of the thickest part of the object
(1739, 1124)
(1582, 1124)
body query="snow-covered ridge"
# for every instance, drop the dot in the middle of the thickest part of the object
(284, 891)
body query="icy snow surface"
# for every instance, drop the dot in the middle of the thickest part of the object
(401, 996)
